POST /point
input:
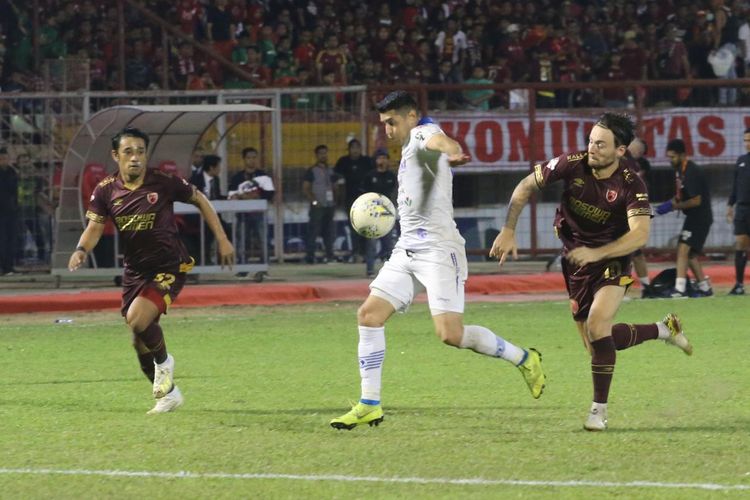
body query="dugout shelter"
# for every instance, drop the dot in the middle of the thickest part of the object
(174, 132)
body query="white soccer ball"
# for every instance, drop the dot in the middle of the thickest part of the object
(373, 215)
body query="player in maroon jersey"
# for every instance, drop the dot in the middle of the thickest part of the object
(139, 201)
(603, 217)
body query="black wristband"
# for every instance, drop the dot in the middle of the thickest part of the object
(80, 248)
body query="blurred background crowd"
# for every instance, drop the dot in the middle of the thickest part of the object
(337, 42)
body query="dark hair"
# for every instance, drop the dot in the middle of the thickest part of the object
(747, 130)
(353, 141)
(621, 125)
(676, 145)
(249, 150)
(3, 151)
(320, 147)
(398, 100)
(128, 132)
(210, 161)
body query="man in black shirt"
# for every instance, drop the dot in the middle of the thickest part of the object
(738, 212)
(249, 184)
(8, 213)
(380, 180)
(693, 198)
(353, 168)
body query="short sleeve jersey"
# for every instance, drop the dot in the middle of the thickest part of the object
(145, 219)
(692, 182)
(593, 212)
(425, 193)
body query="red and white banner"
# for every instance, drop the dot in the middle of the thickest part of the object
(501, 141)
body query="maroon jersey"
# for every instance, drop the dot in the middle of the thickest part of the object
(593, 212)
(144, 219)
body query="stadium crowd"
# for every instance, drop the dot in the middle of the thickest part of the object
(334, 42)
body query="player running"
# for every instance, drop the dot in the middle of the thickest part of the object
(430, 251)
(604, 216)
(140, 201)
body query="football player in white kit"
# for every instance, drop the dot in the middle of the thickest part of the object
(431, 252)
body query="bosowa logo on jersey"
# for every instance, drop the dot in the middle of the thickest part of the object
(152, 197)
(611, 195)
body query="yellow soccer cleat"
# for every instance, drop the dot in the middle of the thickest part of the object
(358, 415)
(532, 372)
(676, 336)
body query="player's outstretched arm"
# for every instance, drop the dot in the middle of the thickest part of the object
(226, 249)
(86, 243)
(444, 144)
(505, 243)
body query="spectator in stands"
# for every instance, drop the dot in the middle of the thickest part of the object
(331, 60)
(478, 99)
(8, 213)
(322, 188)
(30, 193)
(451, 44)
(139, 74)
(220, 30)
(379, 180)
(183, 66)
(305, 51)
(442, 99)
(251, 183)
(353, 168)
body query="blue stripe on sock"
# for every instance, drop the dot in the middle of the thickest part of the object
(371, 402)
(525, 356)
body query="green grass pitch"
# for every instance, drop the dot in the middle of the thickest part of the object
(261, 385)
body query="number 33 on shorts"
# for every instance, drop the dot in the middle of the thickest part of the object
(164, 280)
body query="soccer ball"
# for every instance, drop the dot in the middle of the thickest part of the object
(373, 215)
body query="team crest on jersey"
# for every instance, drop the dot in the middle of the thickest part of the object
(578, 182)
(152, 197)
(611, 195)
(553, 163)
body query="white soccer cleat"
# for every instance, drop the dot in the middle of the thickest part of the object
(597, 419)
(164, 377)
(677, 337)
(168, 403)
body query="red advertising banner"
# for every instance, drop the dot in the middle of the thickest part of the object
(501, 141)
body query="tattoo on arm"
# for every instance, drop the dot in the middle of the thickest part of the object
(519, 199)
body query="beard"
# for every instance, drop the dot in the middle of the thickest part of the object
(601, 165)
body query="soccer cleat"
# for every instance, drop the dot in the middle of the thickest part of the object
(676, 336)
(168, 403)
(647, 292)
(358, 415)
(738, 289)
(676, 294)
(532, 372)
(164, 377)
(597, 419)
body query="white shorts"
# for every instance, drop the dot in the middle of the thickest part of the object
(442, 272)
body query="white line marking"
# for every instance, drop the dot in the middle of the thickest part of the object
(372, 479)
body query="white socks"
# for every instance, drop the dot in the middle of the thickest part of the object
(646, 281)
(481, 340)
(680, 284)
(371, 352)
(664, 332)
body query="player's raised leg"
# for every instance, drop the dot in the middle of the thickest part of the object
(371, 318)
(668, 329)
(451, 330)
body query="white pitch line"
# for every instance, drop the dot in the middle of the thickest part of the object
(373, 479)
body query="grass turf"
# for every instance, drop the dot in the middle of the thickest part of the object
(261, 385)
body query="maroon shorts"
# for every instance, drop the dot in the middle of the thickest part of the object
(160, 288)
(583, 282)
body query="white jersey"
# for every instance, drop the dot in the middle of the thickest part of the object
(425, 193)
